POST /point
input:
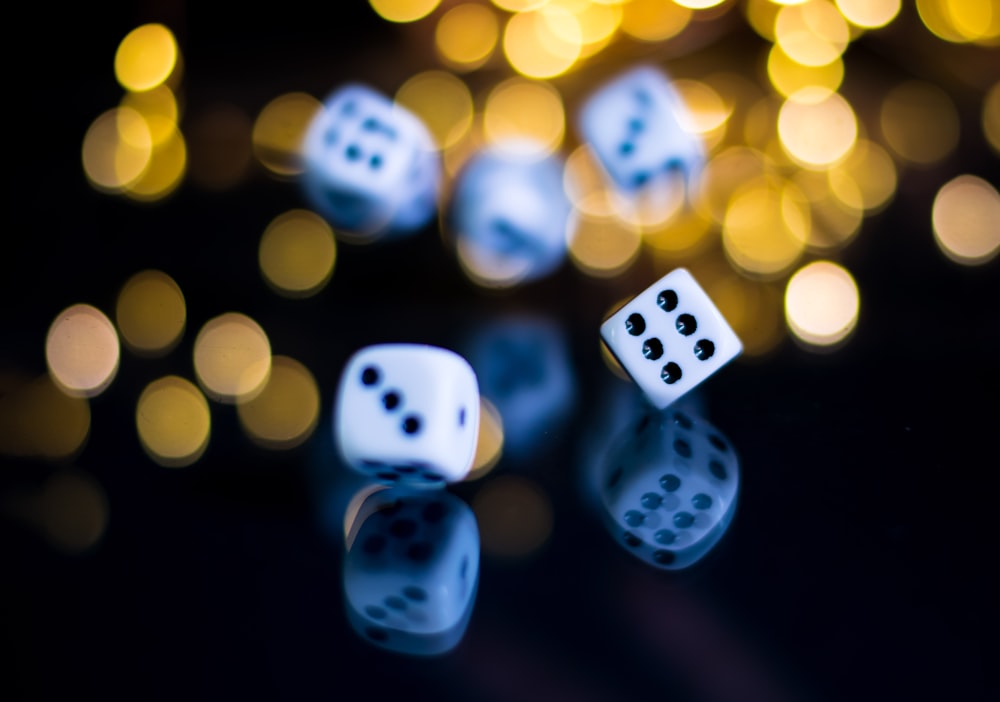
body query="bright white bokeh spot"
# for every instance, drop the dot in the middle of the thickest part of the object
(82, 350)
(821, 304)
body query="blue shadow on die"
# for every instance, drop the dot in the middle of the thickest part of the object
(668, 488)
(634, 125)
(370, 167)
(411, 570)
(509, 215)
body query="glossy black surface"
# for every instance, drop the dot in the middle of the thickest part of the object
(860, 561)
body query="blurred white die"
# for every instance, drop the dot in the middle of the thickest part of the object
(670, 337)
(370, 166)
(635, 125)
(669, 489)
(408, 413)
(510, 215)
(411, 570)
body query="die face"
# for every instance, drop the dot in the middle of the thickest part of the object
(370, 166)
(510, 215)
(670, 338)
(669, 489)
(634, 126)
(408, 413)
(411, 570)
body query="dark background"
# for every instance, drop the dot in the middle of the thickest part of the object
(860, 563)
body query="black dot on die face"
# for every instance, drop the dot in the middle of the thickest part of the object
(389, 476)
(370, 376)
(670, 482)
(405, 469)
(704, 349)
(461, 417)
(682, 420)
(411, 424)
(375, 162)
(641, 426)
(626, 148)
(667, 300)
(650, 500)
(631, 540)
(395, 602)
(682, 448)
(686, 324)
(352, 152)
(376, 634)
(432, 477)
(415, 593)
(420, 551)
(403, 528)
(701, 501)
(373, 544)
(665, 536)
(375, 612)
(634, 518)
(663, 557)
(391, 400)
(682, 520)
(652, 348)
(635, 324)
(433, 513)
(718, 443)
(716, 468)
(671, 373)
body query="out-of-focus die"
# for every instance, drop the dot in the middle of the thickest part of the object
(670, 337)
(669, 488)
(509, 215)
(634, 125)
(411, 570)
(408, 413)
(370, 166)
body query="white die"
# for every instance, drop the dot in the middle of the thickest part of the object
(370, 166)
(411, 570)
(408, 413)
(670, 337)
(510, 214)
(669, 489)
(635, 126)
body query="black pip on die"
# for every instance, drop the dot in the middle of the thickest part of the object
(670, 337)
(408, 413)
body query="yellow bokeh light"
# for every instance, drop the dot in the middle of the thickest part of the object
(403, 10)
(232, 357)
(706, 113)
(442, 102)
(146, 57)
(167, 166)
(220, 153)
(116, 149)
(966, 219)
(173, 421)
(279, 129)
(543, 43)
(519, 5)
(520, 109)
(604, 246)
(284, 414)
(684, 235)
(297, 253)
(812, 33)
(82, 350)
(73, 511)
(869, 14)
(151, 313)
(698, 4)
(920, 122)
(991, 117)
(159, 108)
(962, 21)
(817, 133)
(597, 22)
(764, 227)
(38, 420)
(752, 309)
(514, 516)
(723, 175)
(789, 77)
(489, 448)
(466, 35)
(834, 223)
(821, 304)
(654, 20)
(868, 172)
(761, 15)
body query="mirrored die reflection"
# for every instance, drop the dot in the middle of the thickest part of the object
(667, 488)
(525, 369)
(509, 215)
(411, 570)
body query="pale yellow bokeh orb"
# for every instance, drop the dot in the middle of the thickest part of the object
(173, 421)
(232, 357)
(966, 220)
(151, 312)
(821, 304)
(284, 414)
(82, 350)
(297, 253)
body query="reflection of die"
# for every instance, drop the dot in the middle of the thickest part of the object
(411, 570)
(634, 125)
(669, 488)
(510, 215)
(408, 412)
(525, 369)
(370, 166)
(670, 337)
